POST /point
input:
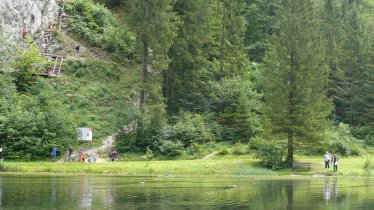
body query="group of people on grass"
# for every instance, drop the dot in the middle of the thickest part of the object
(82, 157)
(334, 160)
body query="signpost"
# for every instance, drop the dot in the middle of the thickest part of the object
(84, 134)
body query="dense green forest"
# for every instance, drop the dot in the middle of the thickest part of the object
(272, 77)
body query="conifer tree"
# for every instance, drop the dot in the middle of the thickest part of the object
(232, 57)
(186, 78)
(295, 77)
(155, 24)
(355, 62)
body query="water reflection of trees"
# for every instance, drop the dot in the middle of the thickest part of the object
(89, 192)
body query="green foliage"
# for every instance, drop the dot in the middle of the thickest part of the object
(271, 156)
(95, 95)
(33, 122)
(294, 76)
(342, 141)
(240, 149)
(195, 148)
(94, 23)
(27, 63)
(223, 150)
(364, 132)
(235, 105)
(188, 129)
(93, 70)
(171, 148)
(368, 165)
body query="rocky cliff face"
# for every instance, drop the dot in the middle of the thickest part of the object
(17, 16)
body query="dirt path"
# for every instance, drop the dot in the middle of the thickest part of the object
(105, 147)
(107, 144)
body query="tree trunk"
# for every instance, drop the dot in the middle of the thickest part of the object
(222, 50)
(144, 63)
(291, 108)
(143, 75)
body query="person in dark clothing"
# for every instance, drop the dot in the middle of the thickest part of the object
(113, 155)
(77, 49)
(335, 162)
(54, 153)
(70, 153)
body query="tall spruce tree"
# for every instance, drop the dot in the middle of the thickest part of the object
(332, 29)
(188, 72)
(232, 57)
(295, 77)
(260, 23)
(155, 24)
(355, 61)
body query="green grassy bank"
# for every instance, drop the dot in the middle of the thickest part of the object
(220, 166)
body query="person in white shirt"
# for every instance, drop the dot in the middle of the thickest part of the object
(1, 153)
(327, 158)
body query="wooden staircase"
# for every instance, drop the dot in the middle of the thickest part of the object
(46, 40)
(60, 15)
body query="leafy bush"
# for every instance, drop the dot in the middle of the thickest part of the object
(28, 62)
(195, 148)
(171, 148)
(342, 141)
(271, 156)
(188, 129)
(33, 122)
(223, 151)
(364, 132)
(240, 149)
(368, 165)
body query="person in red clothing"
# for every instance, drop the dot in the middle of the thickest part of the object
(24, 33)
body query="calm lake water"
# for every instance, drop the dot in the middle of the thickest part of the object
(104, 192)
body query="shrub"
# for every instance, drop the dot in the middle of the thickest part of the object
(368, 165)
(342, 141)
(171, 148)
(223, 151)
(195, 148)
(240, 149)
(189, 129)
(271, 156)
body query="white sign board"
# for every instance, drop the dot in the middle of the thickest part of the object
(84, 134)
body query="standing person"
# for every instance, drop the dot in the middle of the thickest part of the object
(70, 152)
(113, 154)
(54, 153)
(335, 162)
(1, 153)
(77, 49)
(81, 155)
(327, 158)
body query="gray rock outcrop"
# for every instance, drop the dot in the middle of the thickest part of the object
(17, 16)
